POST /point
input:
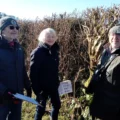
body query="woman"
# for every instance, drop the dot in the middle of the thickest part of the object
(13, 76)
(44, 73)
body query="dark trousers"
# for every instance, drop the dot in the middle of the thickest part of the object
(10, 112)
(55, 101)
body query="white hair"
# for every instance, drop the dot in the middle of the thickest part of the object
(41, 37)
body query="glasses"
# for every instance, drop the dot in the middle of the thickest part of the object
(13, 27)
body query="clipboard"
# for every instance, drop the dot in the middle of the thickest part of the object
(26, 98)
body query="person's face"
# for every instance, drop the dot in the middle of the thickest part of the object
(114, 40)
(10, 32)
(50, 38)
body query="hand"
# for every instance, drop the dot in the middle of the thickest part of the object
(29, 92)
(41, 96)
(9, 98)
(8, 94)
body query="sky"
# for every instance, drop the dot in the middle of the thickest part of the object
(32, 9)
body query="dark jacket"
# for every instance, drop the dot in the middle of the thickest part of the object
(44, 68)
(12, 68)
(106, 98)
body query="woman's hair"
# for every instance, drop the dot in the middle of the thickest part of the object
(41, 36)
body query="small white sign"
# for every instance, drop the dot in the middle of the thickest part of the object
(65, 87)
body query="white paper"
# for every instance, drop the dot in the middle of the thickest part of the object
(25, 98)
(65, 87)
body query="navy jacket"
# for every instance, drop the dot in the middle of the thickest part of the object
(44, 68)
(12, 68)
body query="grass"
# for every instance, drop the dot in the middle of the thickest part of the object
(71, 109)
(28, 112)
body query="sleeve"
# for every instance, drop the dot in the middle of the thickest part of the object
(2, 89)
(35, 63)
(27, 82)
(94, 79)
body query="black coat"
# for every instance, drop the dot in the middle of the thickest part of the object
(12, 68)
(44, 68)
(106, 98)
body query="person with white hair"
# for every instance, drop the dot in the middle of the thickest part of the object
(44, 73)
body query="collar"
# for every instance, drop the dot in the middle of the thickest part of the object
(55, 46)
(115, 51)
(5, 43)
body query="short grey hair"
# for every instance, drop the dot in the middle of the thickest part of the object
(41, 36)
(114, 30)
